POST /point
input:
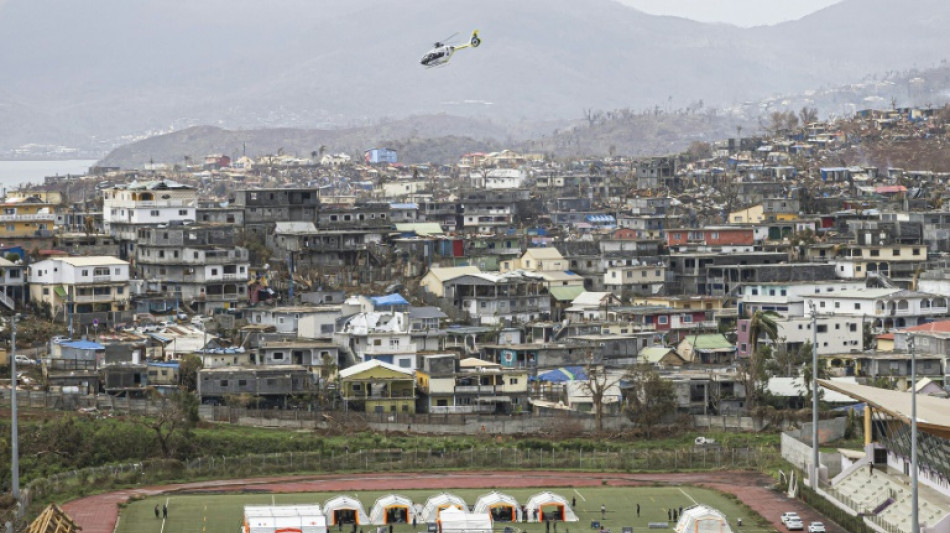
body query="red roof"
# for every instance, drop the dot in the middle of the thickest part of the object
(885, 336)
(53, 252)
(942, 326)
(890, 189)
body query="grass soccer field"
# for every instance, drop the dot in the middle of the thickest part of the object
(214, 513)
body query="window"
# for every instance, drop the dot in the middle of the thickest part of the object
(783, 292)
(224, 383)
(857, 306)
(326, 328)
(154, 212)
(822, 328)
(896, 252)
(687, 319)
(837, 305)
(663, 319)
(405, 363)
(513, 381)
(916, 251)
(11, 227)
(852, 327)
(394, 343)
(755, 292)
(182, 212)
(771, 292)
(85, 273)
(242, 382)
(278, 356)
(377, 342)
(821, 304)
(875, 253)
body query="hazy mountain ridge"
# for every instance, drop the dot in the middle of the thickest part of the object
(126, 67)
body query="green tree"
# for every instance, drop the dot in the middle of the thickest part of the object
(762, 323)
(188, 369)
(649, 398)
(753, 373)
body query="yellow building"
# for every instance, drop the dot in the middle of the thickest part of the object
(378, 387)
(754, 215)
(27, 217)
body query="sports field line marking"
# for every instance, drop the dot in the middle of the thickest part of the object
(163, 515)
(273, 500)
(688, 496)
(581, 495)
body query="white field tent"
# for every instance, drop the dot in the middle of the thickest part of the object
(501, 507)
(345, 510)
(435, 505)
(702, 519)
(550, 506)
(284, 518)
(392, 509)
(455, 520)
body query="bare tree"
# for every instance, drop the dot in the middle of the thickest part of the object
(177, 414)
(597, 384)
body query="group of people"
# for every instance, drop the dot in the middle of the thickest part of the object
(161, 513)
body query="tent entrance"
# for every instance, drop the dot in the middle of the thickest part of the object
(344, 516)
(502, 513)
(552, 511)
(397, 514)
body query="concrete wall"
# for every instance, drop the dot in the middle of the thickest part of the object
(799, 454)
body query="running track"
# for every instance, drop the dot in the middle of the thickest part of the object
(98, 514)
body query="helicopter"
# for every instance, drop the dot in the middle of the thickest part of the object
(441, 53)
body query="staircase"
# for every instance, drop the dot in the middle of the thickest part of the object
(7, 301)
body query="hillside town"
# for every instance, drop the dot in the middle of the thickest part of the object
(509, 283)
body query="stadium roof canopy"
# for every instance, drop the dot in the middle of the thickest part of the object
(933, 413)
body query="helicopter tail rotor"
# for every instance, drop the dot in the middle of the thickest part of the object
(474, 41)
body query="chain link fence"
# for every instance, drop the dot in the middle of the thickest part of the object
(84, 481)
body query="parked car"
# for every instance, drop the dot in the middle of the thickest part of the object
(794, 525)
(791, 515)
(816, 527)
(24, 360)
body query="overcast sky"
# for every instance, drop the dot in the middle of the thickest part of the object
(738, 12)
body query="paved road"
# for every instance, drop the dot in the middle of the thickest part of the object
(98, 514)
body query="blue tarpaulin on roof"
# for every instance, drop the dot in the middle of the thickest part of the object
(604, 219)
(389, 300)
(567, 373)
(84, 345)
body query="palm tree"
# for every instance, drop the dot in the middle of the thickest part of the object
(762, 322)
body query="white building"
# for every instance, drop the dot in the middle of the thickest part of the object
(788, 299)
(504, 178)
(291, 319)
(127, 207)
(92, 290)
(885, 308)
(384, 337)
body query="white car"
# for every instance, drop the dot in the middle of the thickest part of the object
(816, 527)
(794, 525)
(791, 515)
(24, 360)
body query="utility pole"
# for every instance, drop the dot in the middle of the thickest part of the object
(14, 430)
(814, 397)
(914, 518)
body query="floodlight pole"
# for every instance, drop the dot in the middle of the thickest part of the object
(14, 430)
(914, 519)
(814, 397)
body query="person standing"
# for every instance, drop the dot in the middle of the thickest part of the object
(638, 510)
(165, 511)
(669, 515)
(156, 510)
(603, 511)
(573, 502)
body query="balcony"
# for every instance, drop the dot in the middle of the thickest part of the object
(49, 217)
(474, 389)
(99, 298)
(105, 278)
